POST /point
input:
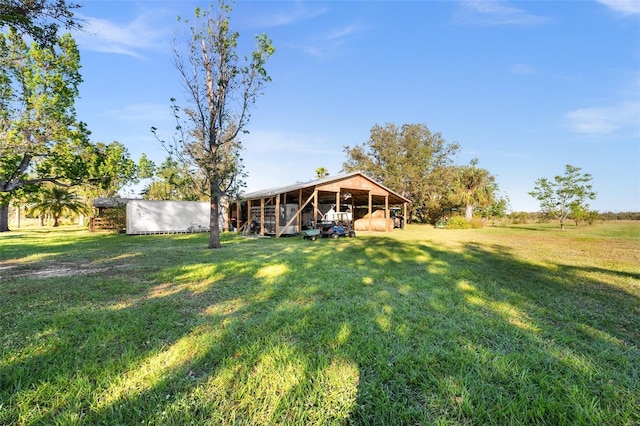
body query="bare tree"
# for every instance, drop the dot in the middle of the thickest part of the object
(220, 89)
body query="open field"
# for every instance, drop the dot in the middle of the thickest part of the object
(511, 325)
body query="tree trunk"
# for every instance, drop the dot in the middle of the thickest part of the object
(214, 224)
(18, 212)
(4, 216)
(468, 213)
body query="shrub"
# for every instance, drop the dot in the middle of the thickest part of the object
(458, 222)
(477, 223)
(519, 217)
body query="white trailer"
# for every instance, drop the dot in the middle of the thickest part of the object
(165, 217)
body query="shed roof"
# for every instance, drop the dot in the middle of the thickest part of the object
(104, 202)
(355, 183)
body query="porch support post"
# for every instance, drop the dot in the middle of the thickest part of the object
(277, 216)
(404, 222)
(262, 216)
(370, 213)
(299, 213)
(315, 207)
(238, 215)
(353, 213)
(386, 213)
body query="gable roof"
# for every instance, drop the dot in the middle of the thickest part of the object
(355, 183)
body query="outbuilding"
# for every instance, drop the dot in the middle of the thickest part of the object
(353, 197)
(137, 217)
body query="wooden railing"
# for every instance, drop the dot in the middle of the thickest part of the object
(106, 224)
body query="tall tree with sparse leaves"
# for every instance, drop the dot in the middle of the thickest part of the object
(221, 87)
(40, 138)
(565, 193)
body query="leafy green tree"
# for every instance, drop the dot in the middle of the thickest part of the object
(410, 160)
(564, 194)
(38, 19)
(174, 181)
(580, 214)
(473, 187)
(221, 88)
(146, 167)
(55, 201)
(498, 209)
(110, 168)
(40, 138)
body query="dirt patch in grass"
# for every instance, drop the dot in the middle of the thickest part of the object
(51, 270)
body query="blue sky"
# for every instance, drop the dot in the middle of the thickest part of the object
(524, 86)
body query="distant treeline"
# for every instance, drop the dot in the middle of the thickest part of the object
(526, 217)
(620, 216)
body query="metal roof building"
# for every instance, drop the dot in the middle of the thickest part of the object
(303, 203)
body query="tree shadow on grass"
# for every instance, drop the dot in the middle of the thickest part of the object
(364, 331)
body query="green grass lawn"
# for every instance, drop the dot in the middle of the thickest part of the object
(509, 325)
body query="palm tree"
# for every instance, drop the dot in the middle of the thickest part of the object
(473, 187)
(321, 172)
(56, 201)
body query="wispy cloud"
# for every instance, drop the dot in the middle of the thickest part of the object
(313, 51)
(522, 69)
(331, 43)
(300, 12)
(626, 7)
(496, 12)
(132, 38)
(141, 112)
(605, 120)
(340, 33)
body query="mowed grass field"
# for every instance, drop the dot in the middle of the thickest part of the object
(503, 325)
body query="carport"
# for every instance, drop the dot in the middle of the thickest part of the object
(303, 203)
